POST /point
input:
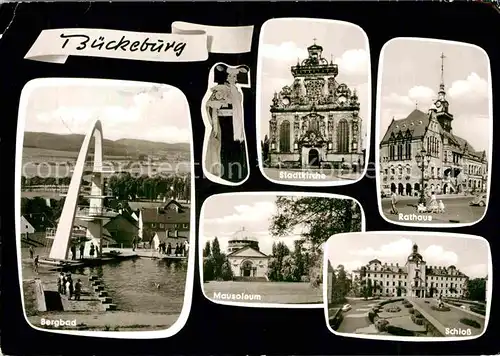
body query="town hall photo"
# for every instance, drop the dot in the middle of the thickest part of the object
(313, 102)
(257, 250)
(435, 132)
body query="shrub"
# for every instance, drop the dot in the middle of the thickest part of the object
(411, 311)
(426, 302)
(478, 310)
(393, 309)
(371, 316)
(417, 320)
(408, 305)
(394, 330)
(381, 324)
(470, 322)
(417, 314)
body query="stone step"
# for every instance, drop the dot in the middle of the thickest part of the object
(93, 278)
(98, 288)
(103, 293)
(105, 300)
(96, 283)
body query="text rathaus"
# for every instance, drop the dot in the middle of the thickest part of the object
(314, 122)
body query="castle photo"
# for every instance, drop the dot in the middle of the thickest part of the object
(408, 284)
(314, 101)
(435, 139)
(256, 249)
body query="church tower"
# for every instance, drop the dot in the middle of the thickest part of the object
(441, 104)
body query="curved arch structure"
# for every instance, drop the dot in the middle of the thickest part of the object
(60, 245)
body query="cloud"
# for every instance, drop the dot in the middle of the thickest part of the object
(476, 271)
(472, 88)
(354, 62)
(418, 95)
(398, 251)
(285, 51)
(259, 211)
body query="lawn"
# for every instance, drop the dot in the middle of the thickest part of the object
(270, 292)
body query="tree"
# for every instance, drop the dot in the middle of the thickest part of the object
(279, 252)
(476, 289)
(208, 270)
(206, 250)
(320, 218)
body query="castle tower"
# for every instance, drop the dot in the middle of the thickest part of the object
(416, 268)
(95, 213)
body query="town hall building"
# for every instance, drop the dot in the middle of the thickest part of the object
(246, 260)
(451, 164)
(315, 121)
(414, 279)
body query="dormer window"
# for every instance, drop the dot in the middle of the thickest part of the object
(420, 122)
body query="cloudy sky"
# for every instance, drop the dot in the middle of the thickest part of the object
(355, 250)
(284, 41)
(138, 111)
(226, 214)
(412, 74)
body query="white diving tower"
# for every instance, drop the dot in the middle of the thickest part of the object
(94, 214)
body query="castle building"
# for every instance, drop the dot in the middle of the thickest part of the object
(451, 164)
(315, 121)
(246, 260)
(414, 279)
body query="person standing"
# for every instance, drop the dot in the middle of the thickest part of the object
(394, 201)
(70, 286)
(92, 250)
(35, 264)
(82, 249)
(133, 244)
(32, 252)
(78, 289)
(186, 248)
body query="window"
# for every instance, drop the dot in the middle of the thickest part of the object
(343, 137)
(152, 225)
(162, 226)
(285, 136)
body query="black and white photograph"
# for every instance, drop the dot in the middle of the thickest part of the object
(265, 249)
(104, 206)
(413, 286)
(435, 132)
(313, 101)
(225, 151)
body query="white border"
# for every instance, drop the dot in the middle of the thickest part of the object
(188, 292)
(202, 241)
(378, 133)
(367, 120)
(208, 125)
(411, 338)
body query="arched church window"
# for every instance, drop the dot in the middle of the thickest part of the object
(285, 136)
(343, 136)
(314, 124)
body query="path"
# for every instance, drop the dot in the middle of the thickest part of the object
(449, 319)
(117, 319)
(457, 209)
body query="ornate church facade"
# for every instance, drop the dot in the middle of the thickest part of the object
(315, 121)
(451, 164)
(414, 279)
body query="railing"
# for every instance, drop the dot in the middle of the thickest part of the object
(50, 233)
(95, 211)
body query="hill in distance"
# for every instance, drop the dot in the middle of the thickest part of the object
(121, 147)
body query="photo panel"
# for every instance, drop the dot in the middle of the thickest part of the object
(265, 249)
(105, 177)
(225, 151)
(313, 102)
(408, 286)
(434, 131)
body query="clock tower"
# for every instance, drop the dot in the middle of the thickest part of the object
(442, 105)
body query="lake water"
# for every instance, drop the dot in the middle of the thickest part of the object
(131, 283)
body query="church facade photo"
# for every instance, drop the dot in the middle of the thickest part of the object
(314, 122)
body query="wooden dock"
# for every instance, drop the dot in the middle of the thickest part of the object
(107, 257)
